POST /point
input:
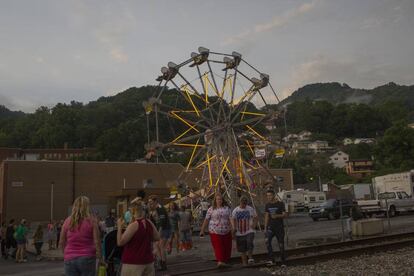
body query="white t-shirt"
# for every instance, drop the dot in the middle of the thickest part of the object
(244, 220)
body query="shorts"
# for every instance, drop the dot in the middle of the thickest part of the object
(245, 243)
(165, 234)
(21, 242)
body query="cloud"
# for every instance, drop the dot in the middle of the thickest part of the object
(275, 22)
(359, 71)
(6, 101)
(39, 59)
(370, 23)
(319, 69)
(118, 55)
(110, 23)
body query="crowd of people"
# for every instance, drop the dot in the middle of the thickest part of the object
(14, 238)
(225, 225)
(147, 233)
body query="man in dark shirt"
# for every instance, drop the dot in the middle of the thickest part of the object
(10, 241)
(274, 215)
(159, 216)
(110, 222)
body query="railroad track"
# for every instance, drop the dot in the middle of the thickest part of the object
(301, 255)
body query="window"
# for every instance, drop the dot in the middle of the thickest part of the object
(404, 195)
(345, 158)
(399, 195)
(321, 198)
(288, 196)
(339, 153)
(312, 199)
(387, 195)
(147, 183)
(336, 158)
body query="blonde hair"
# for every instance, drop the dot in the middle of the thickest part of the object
(80, 211)
(137, 207)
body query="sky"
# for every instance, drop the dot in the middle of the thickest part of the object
(58, 51)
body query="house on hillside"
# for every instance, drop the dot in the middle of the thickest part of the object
(300, 146)
(291, 137)
(304, 135)
(339, 159)
(348, 141)
(364, 141)
(359, 168)
(319, 146)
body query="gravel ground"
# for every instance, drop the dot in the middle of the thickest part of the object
(397, 262)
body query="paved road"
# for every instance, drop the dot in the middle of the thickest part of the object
(31, 268)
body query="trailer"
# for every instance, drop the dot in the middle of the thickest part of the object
(313, 199)
(293, 198)
(394, 182)
(302, 200)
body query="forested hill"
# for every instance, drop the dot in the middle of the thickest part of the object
(337, 93)
(116, 126)
(6, 113)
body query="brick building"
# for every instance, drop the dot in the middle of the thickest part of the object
(41, 190)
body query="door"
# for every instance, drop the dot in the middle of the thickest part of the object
(406, 201)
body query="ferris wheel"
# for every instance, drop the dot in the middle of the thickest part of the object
(222, 113)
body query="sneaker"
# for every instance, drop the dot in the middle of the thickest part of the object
(250, 261)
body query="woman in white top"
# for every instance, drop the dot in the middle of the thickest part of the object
(220, 229)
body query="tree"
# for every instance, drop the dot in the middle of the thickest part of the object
(396, 149)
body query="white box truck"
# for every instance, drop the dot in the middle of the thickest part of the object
(394, 182)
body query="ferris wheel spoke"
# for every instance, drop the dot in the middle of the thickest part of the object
(205, 93)
(187, 96)
(263, 99)
(274, 92)
(251, 66)
(190, 123)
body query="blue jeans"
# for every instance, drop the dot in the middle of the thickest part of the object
(280, 236)
(81, 266)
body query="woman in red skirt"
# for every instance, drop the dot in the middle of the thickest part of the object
(220, 229)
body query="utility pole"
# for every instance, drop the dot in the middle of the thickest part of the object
(51, 199)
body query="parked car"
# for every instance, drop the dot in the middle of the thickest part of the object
(330, 209)
(397, 202)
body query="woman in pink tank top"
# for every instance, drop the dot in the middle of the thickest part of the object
(80, 240)
(137, 256)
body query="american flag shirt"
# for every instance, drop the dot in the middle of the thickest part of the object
(244, 220)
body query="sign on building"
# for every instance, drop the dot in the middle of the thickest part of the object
(279, 153)
(17, 184)
(259, 153)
